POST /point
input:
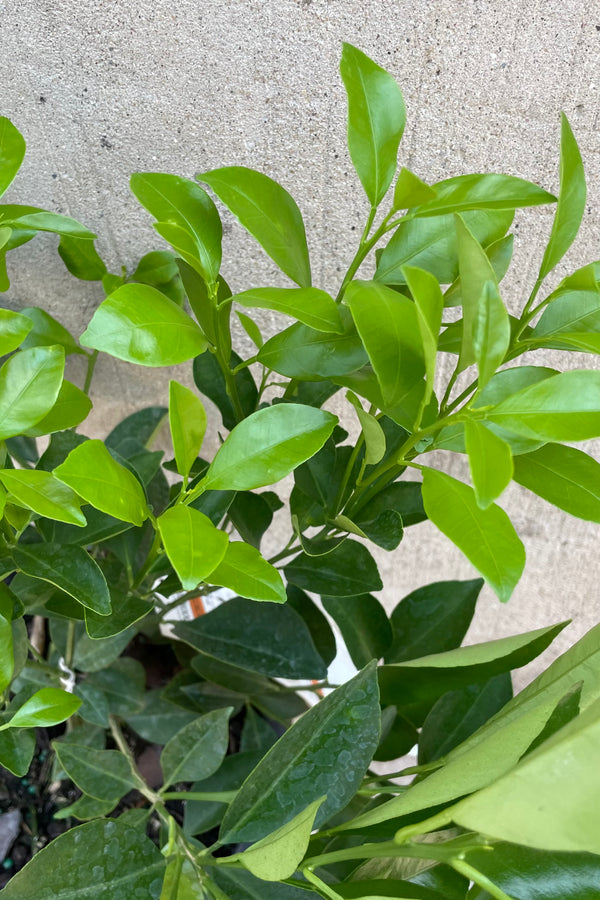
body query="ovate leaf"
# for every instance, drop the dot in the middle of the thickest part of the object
(198, 749)
(313, 307)
(364, 625)
(12, 152)
(278, 855)
(47, 707)
(490, 462)
(487, 191)
(192, 543)
(566, 477)
(187, 420)
(347, 571)
(244, 571)
(102, 774)
(29, 385)
(44, 494)
(14, 327)
(70, 409)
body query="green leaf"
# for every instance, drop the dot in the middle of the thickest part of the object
(187, 420)
(241, 885)
(388, 326)
(348, 571)
(313, 307)
(564, 476)
(123, 685)
(198, 749)
(6, 652)
(571, 312)
(278, 855)
(85, 809)
(268, 445)
(303, 764)
(268, 212)
(251, 329)
(257, 733)
(46, 708)
(499, 254)
(373, 433)
(318, 624)
(486, 537)
(429, 304)
(158, 720)
(251, 515)
(94, 705)
(571, 200)
(380, 889)
(432, 619)
(549, 801)
(14, 327)
(92, 473)
(201, 815)
(126, 610)
(488, 191)
(364, 625)
(210, 381)
(12, 152)
(102, 774)
(458, 714)
(490, 338)
(139, 324)
(410, 190)
(303, 352)
(41, 492)
(16, 750)
(29, 385)
(376, 119)
(403, 498)
(565, 407)
(143, 425)
(81, 258)
(430, 244)
(47, 331)
(118, 861)
(70, 409)
(70, 568)
(490, 462)
(192, 543)
(272, 640)
(35, 219)
(244, 571)
(186, 205)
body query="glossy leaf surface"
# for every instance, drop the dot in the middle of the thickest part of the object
(198, 749)
(566, 477)
(244, 571)
(14, 327)
(69, 410)
(70, 568)
(347, 571)
(278, 855)
(29, 385)
(12, 152)
(313, 307)
(192, 543)
(44, 494)
(47, 707)
(364, 625)
(490, 462)
(487, 191)
(187, 420)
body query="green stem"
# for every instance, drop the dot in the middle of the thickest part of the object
(339, 500)
(383, 850)
(91, 365)
(324, 889)
(70, 648)
(479, 879)
(287, 551)
(211, 796)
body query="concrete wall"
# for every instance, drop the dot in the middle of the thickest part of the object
(102, 88)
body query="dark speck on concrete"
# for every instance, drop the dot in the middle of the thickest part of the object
(104, 142)
(42, 99)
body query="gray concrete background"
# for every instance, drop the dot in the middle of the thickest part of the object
(103, 88)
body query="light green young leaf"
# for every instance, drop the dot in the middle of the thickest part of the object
(251, 329)
(376, 119)
(14, 327)
(570, 312)
(47, 332)
(140, 324)
(566, 477)
(198, 749)
(32, 218)
(41, 492)
(92, 473)
(70, 409)
(565, 407)
(491, 333)
(192, 543)
(12, 152)
(485, 536)
(70, 568)
(46, 708)
(344, 725)
(490, 462)
(411, 191)
(304, 353)
(187, 421)
(268, 445)
(29, 385)
(244, 571)
(180, 202)
(81, 258)
(373, 433)
(313, 307)
(429, 304)
(387, 324)
(277, 856)
(571, 200)
(550, 800)
(488, 191)
(267, 211)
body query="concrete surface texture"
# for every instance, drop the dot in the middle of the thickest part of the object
(103, 88)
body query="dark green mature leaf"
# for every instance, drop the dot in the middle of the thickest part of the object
(201, 815)
(143, 425)
(303, 352)
(389, 329)
(257, 733)
(303, 763)
(70, 568)
(490, 462)
(12, 152)
(29, 385)
(6, 653)
(430, 244)
(94, 706)
(566, 477)
(17, 747)
(458, 714)
(565, 407)
(192, 543)
(377, 889)
(278, 855)
(432, 619)
(488, 191)
(126, 610)
(537, 874)
(251, 515)
(183, 204)
(118, 861)
(404, 498)
(485, 536)
(268, 445)
(269, 639)
(418, 682)
(268, 212)
(123, 684)
(45, 708)
(318, 625)
(315, 308)
(158, 720)
(244, 571)
(349, 570)
(571, 200)
(364, 626)
(14, 328)
(91, 472)
(241, 885)
(210, 381)
(198, 749)
(376, 119)
(139, 324)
